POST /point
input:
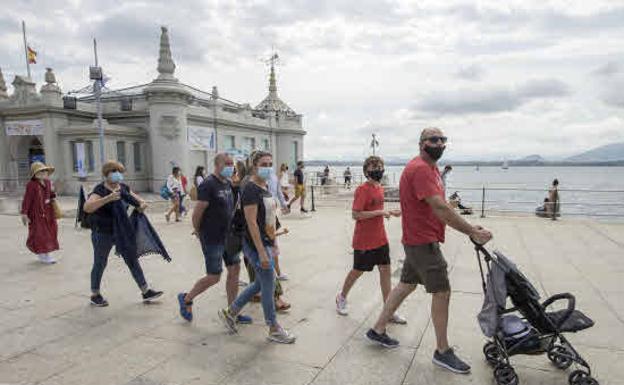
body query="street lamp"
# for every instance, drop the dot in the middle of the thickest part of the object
(96, 74)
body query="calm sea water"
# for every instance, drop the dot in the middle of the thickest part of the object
(585, 191)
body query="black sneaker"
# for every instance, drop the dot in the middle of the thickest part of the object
(151, 295)
(450, 361)
(304, 210)
(382, 339)
(98, 300)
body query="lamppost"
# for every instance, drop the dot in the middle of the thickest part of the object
(374, 144)
(96, 74)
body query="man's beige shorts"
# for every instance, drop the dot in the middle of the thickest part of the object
(425, 265)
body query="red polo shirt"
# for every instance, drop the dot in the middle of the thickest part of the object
(419, 181)
(369, 233)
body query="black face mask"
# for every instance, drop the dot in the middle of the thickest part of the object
(434, 152)
(376, 175)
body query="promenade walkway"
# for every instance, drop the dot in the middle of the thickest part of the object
(50, 335)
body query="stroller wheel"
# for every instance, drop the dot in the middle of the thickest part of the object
(506, 375)
(492, 353)
(560, 356)
(581, 377)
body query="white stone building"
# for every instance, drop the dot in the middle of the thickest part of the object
(149, 128)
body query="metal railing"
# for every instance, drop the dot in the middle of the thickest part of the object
(495, 199)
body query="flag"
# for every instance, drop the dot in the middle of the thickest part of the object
(32, 56)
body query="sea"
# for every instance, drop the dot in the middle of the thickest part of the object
(584, 191)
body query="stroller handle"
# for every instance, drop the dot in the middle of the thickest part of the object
(479, 248)
(570, 308)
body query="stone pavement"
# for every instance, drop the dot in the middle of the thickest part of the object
(50, 335)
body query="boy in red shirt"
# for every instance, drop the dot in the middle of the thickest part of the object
(370, 244)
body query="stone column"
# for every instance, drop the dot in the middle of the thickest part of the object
(167, 104)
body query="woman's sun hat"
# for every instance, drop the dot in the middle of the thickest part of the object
(39, 166)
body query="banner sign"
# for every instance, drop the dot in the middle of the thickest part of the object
(80, 160)
(24, 127)
(202, 138)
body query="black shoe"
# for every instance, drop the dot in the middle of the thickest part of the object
(151, 295)
(98, 300)
(304, 210)
(450, 361)
(382, 339)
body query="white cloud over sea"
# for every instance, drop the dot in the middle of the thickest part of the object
(503, 79)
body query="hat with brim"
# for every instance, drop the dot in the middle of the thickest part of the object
(38, 166)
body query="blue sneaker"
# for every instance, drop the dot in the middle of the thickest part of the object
(244, 319)
(187, 315)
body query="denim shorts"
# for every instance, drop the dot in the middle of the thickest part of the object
(214, 254)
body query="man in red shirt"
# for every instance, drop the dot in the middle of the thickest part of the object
(370, 243)
(425, 214)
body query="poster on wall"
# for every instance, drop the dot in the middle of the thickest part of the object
(24, 127)
(80, 160)
(202, 138)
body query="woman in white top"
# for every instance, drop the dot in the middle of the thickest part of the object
(284, 180)
(174, 185)
(199, 175)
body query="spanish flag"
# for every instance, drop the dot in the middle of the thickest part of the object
(32, 56)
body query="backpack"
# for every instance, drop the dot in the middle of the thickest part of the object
(82, 217)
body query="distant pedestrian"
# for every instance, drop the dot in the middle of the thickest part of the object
(38, 213)
(445, 175)
(325, 177)
(198, 178)
(347, 178)
(284, 180)
(425, 214)
(259, 208)
(107, 206)
(212, 218)
(370, 243)
(174, 185)
(552, 207)
(299, 187)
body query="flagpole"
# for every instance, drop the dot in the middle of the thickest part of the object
(26, 49)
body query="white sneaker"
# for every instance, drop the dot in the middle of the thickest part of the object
(397, 319)
(341, 305)
(281, 336)
(50, 259)
(282, 277)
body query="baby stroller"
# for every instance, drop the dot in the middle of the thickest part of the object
(529, 326)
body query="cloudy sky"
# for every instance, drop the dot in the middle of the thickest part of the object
(502, 78)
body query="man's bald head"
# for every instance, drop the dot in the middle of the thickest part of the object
(221, 159)
(428, 132)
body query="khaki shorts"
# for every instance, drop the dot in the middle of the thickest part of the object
(425, 265)
(299, 190)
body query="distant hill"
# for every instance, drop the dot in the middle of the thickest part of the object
(531, 158)
(607, 153)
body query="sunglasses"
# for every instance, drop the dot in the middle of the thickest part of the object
(436, 139)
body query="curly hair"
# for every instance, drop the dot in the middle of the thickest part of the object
(372, 161)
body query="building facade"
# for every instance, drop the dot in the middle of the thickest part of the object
(149, 128)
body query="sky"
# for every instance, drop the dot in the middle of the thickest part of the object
(502, 79)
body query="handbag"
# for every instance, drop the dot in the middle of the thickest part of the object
(58, 213)
(164, 192)
(193, 193)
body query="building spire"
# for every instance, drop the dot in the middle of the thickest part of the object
(166, 66)
(272, 81)
(3, 87)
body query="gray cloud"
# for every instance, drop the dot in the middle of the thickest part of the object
(467, 101)
(608, 69)
(470, 72)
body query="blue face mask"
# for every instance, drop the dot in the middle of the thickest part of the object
(116, 177)
(265, 172)
(227, 171)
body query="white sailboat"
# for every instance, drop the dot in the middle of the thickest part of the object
(505, 165)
